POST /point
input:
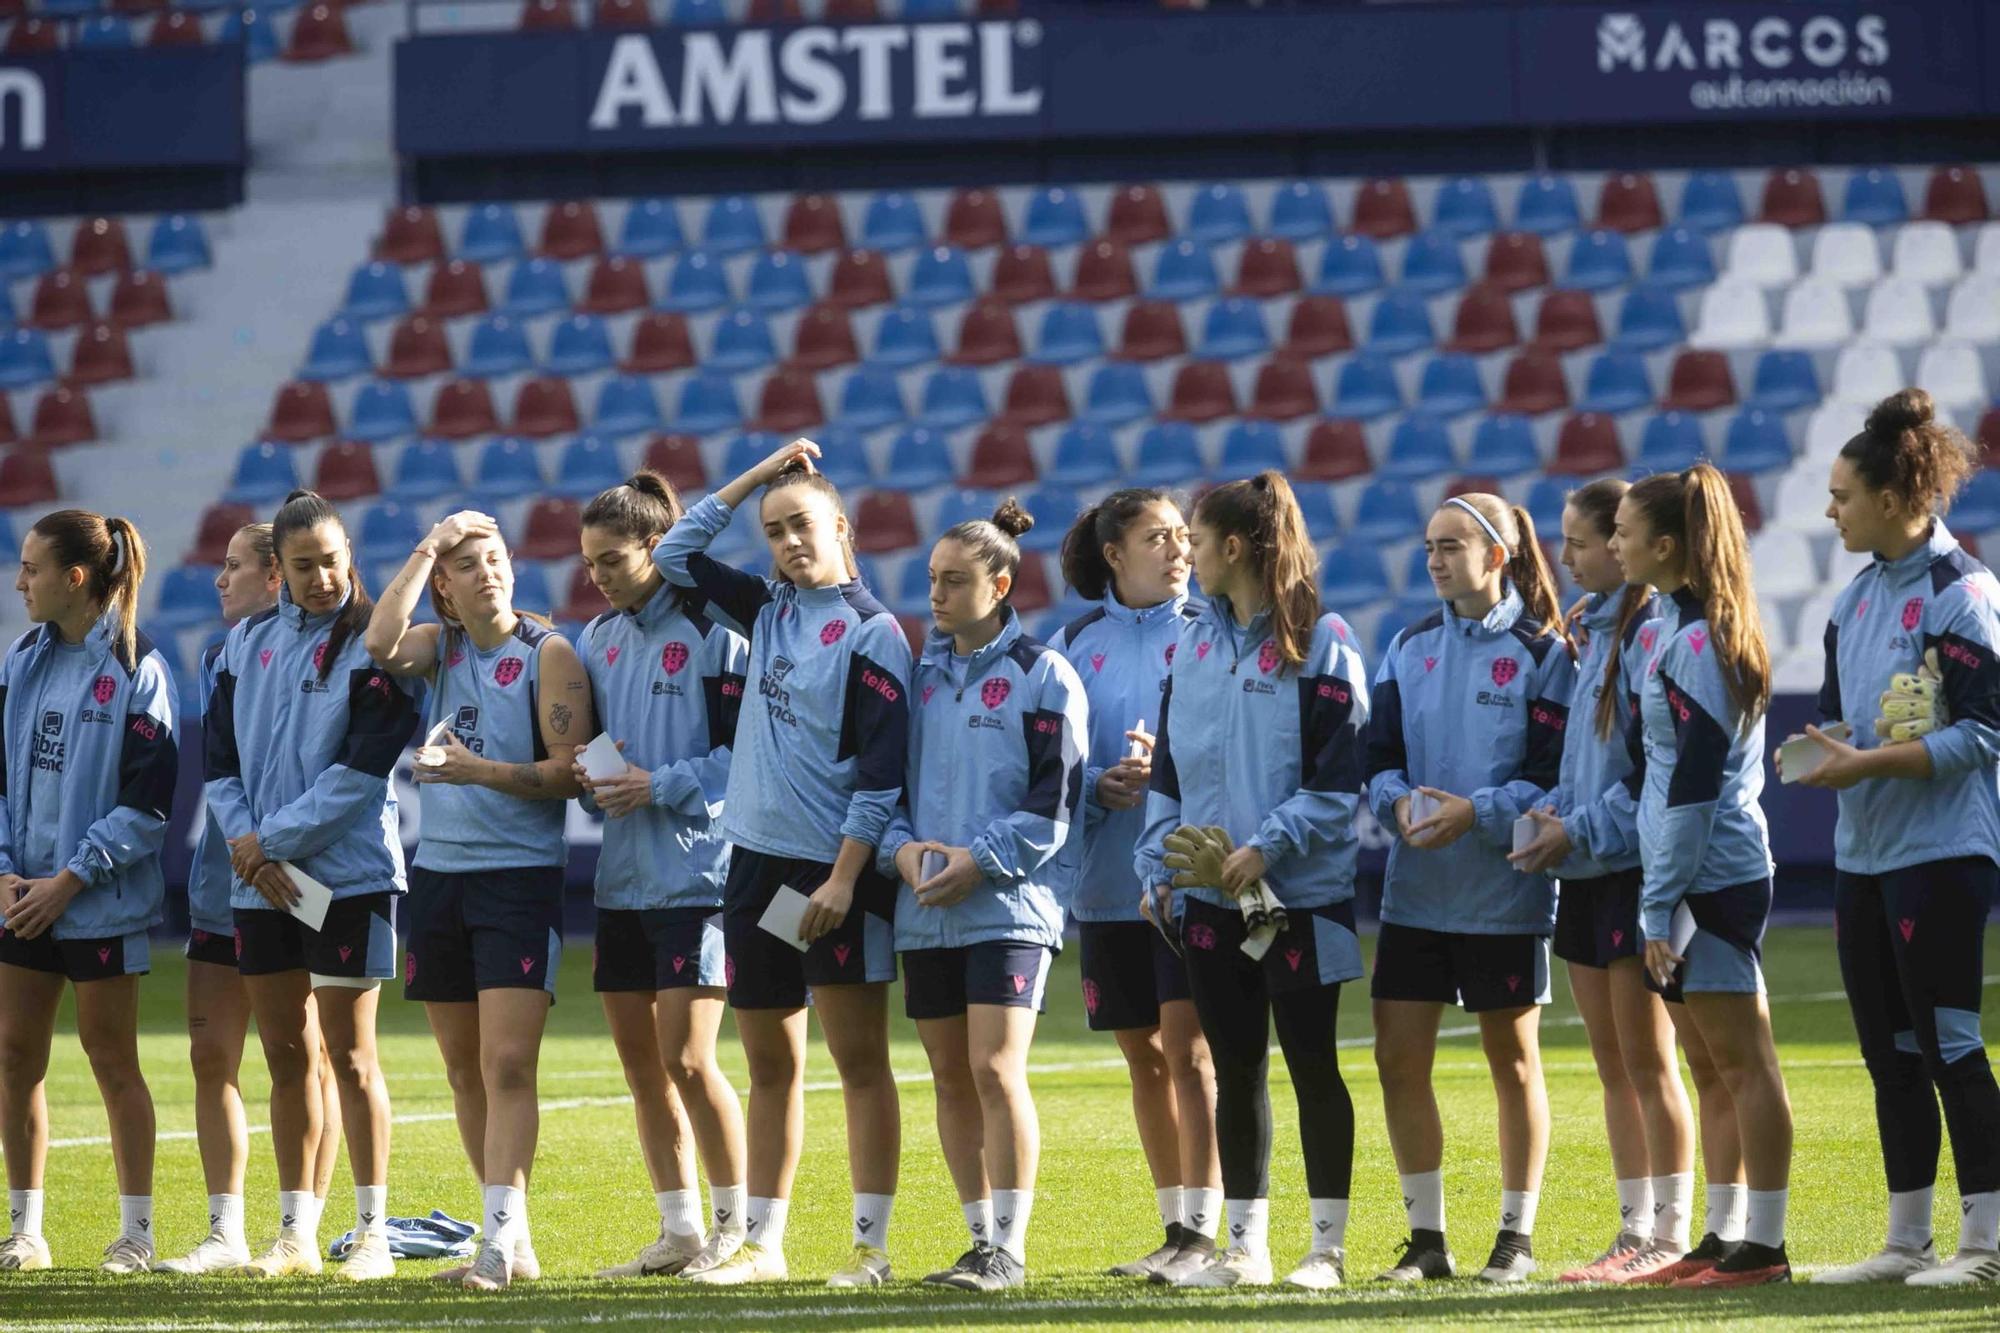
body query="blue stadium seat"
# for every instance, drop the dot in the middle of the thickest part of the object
(491, 233)
(953, 396)
(177, 244)
(6, 308)
(1503, 445)
(652, 228)
(251, 27)
(105, 32)
(1419, 447)
(626, 405)
(1671, 442)
(1547, 206)
(698, 13)
(531, 588)
(1432, 264)
(1710, 202)
(1387, 512)
(919, 458)
(187, 599)
(535, 287)
(25, 359)
(845, 462)
(1598, 259)
(579, 345)
(1353, 575)
(376, 291)
(1349, 266)
(1874, 197)
(507, 470)
(904, 338)
(499, 346)
(1085, 455)
(1648, 319)
(1218, 212)
(1117, 393)
(264, 472)
(941, 276)
(24, 249)
(1054, 217)
(1784, 381)
(1417, 572)
(1055, 509)
(732, 226)
(1756, 442)
(67, 8)
(1316, 507)
(1450, 386)
(588, 464)
(914, 10)
(1401, 324)
(696, 283)
(962, 506)
(1068, 334)
(1402, 613)
(1184, 270)
(1233, 328)
(742, 341)
(1365, 388)
(1977, 508)
(427, 469)
(913, 584)
(870, 400)
(388, 530)
(1465, 208)
(1169, 453)
(1681, 258)
(1616, 382)
(778, 281)
(747, 450)
(1249, 447)
(892, 222)
(381, 411)
(339, 349)
(1300, 212)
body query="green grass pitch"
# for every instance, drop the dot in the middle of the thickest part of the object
(591, 1204)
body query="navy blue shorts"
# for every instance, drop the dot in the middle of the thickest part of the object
(940, 983)
(1597, 920)
(216, 947)
(97, 959)
(658, 948)
(357, 939)
(1725, 954)
(1129, 971)
(763, 971)
(465, 932)
(1481, 972)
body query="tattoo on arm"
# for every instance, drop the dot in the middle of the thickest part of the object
(559, 719)
(528, 776)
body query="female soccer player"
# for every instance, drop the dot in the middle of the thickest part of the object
(668, 685)
(1260, 738)
(87, 740)
(218, 1007)
(1129, 554)
(985, 847)
(303, 732)
(1588, 835)
(1466, 737)
(508, 705)
(814, 775)
(1706, 856)
(1912, 644)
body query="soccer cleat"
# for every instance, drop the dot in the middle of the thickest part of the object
(1651, 1266)
(23, 1254)
(1963, 1269)
(669, 1256)
(492, 1269)
(527, 1267)
(1321, 1270)
(965, 1263)
(1600, 1268)
(127, 1255)
(1194, 1254)
(1234, 1267)
(370, 1259)
(290, 1255)
(1750, 1266)
(1513, 1258)
(721, 1245)
(217, 1254)
(751, 1262)
(1644, 1270)
(1424, 1259)
(867, 1266)
(1152, 1263)
(993, 1269)
(1893, 1264)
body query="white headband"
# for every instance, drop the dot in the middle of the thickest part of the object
(1480, 519)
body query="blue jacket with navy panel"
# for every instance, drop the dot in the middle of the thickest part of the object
(1598, 797)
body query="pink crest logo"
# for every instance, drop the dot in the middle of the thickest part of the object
(1097, 661)
(832, 632)
(1294, 957)
(1091, 998)
(103, 688)
(1913, 611)
(1267, 656)
(264, 658)
(994, 692)
(1201, 651)
(929, 690)
(1698, 640)
(1648, 636)
(319, 656)
(1170, 653)
(673, 657)
(508, 671)
(611, 655)
(1201, 936)
(1504, 670)
(1430, 665)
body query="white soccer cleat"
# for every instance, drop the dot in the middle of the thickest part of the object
(217, 1254)
(126, 1256)
(721, 1245)
(292, 1254)
(1893, 1264)
(669, 1256)
(1965, 1268)
(370, 1259)
(866, 1266)
(1321, 1270)
(23, 1254)
(1234, 1267)
(750, 1263)
(492, 1269)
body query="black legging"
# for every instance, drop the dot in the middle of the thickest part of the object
(1235, 1000)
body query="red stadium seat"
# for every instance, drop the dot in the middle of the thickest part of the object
(1485, 321)
(1567, 321)
(1104, 272)
(1587, 444)
(915, 629)
(346, 471)
(1629, 202)
(319, 33)
(773, 11)
(789, 401)
(1023, 274)
(1515, 261)
(884, 522)
(1269, 267)
(138, 6)
(812, 223)
(26, 478)
(457, 287)
(101, 355)
(1202, 392)
(570, 231)
(974, 220)
(1533, 384)
(1792, 199)
(463, 409)
(32, 36)
(987, 335)
(62, 416)
(616, 285)
(1989, 437)
(1138, 216)
(852, 11)
(301, 411)
(1699, 382)
(621, 14)
(410, 236)
(860, 279)
(1036, 397)
(1284, 391)
(660, 343)
(582, 601)
(1335, 451)
(417, 348)
(1152, 332)
(544, 406)
(553, 531)
(177, 28)
(1382, 209)
(1031, 591)
(139, 299)
(824, 339)
(61, 301)
(678, 459)
(99, 246)
(1955, 195)
(1318, 327)
(219, 522)
(8, 433)
(1744, 487)
(1478, 485)
(547, 16)
(1000, 457)
(13, 9)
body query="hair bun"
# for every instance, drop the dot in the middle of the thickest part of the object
(302, 493)
(1011, 519)
(799, 466)
(1909, 409)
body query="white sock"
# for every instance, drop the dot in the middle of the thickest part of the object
(135, 1217)
(1517, 1211)
(371, 1210)
(1910, 1217)
(1169, 1200)
(225, 1214)
(871, 1219)
(979, 1220)
(680, 1212)
(24, 1211)
(1725, 1211)
(1201, 1210)
(1010, 1220)
(298, 1211)
(1979, 1221)
(1423, 1200)
(727, 1201)
(767, 1222)
(1635, 1207)
(1764, 1222)
(506, 1215)
(1329, 1221)
(311, 1212)
(1673, 1197)
(1249, 1225)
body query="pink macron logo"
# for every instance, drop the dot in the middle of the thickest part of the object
(457, 656)
(264, 658)
(611, 655)
(929, 690)
(1697, 640)
(1097, 661)
(1430, 665)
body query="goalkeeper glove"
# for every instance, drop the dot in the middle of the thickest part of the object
(1913, 705)
(1197, 855)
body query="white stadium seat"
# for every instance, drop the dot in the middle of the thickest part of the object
(1898, 313)
(1732, 314)
(1954, 376)
(1783, 560)
(1800, 671)
(1802, 496)
(1927, 252)
(1817, 315)
(1762, 255)
(1973, 310)
(1847, 255)
(1865, 374)
(1832, 424)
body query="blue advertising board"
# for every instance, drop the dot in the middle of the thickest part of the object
(89, 110)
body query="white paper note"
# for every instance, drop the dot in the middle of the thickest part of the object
(1139, 748)
(601, 759)
(431, 753)
(1524, 833)
(930, 865)
(1801, 756)
(314, 897)
(782, 917)
(1422, 807)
